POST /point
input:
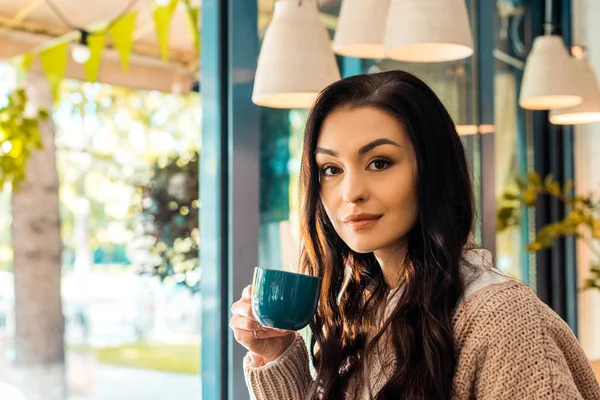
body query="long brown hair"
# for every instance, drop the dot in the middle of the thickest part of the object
(421, 323)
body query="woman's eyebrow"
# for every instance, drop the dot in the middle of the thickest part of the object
(376, 143)
(321, 150)
(363, 150)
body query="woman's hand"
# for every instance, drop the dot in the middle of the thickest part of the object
(264, 344)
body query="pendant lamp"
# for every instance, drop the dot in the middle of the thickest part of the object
(296, 60)
(548, 79)
(361, 27)
(428, 31)
(589, 110)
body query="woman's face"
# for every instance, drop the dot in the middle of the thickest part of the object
(368, 174)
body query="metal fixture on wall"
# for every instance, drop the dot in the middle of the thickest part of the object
(549, 80)
(296, 60)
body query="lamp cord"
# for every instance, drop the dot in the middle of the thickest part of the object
(72, 26)
(548, 26)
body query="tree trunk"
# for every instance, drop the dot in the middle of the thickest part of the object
(39, 368)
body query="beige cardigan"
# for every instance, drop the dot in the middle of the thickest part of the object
(509, 346)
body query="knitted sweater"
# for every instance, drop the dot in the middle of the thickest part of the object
(509, 345)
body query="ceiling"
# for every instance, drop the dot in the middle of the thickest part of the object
(26, 24)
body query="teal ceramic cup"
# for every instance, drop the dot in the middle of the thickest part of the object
(284, 300)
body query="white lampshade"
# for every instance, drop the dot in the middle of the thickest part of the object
(361, 27)
(589, 110)
(549, 80)
(428, 31)
(296, 60)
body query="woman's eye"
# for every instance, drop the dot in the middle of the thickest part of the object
(379, 165)
(330, 170)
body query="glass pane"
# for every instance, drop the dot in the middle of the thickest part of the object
(127, 164)
(512, 146)
(130, 230)
(282, 134)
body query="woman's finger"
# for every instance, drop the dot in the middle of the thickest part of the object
(247, 292)
(243, 308)
(241, 322)
(271, 333)
(248, 336)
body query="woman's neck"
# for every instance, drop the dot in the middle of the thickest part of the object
(391, 262)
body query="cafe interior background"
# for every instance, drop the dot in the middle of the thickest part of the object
(149, 160)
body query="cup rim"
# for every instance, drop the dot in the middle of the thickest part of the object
(301, 275)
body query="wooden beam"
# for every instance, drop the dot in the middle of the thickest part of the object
(26, 10)
(147, 27)
(49, 32)
(145, 73)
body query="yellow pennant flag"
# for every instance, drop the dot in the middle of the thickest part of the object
(54, 64)
(22, 64)
(96, 45)
(162, 21)
(122, 37)
(193, 15)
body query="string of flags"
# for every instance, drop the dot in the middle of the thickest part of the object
(91, 43)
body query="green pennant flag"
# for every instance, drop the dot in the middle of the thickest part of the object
(96, 45)
(193, 15)
(162, 21)
(54, 64)
(122, 37)
(22, 64)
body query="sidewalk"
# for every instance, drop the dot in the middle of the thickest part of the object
(118, 383)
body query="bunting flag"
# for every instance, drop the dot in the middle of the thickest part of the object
(22, 64)
(162, 21)
(54, 57)
(96, 45)
(54, 64)
(193, 15)
(122, 37)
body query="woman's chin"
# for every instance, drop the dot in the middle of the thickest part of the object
(362, 247)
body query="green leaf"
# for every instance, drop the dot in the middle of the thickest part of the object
(506, 212)
(510, 196)
(534, 179)
(567, 187)
(521, 183)
(553, 188)
(548, 180)
(23, 135)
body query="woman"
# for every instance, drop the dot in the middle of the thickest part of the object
(407, 310)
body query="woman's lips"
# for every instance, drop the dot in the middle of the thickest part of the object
(361, 221)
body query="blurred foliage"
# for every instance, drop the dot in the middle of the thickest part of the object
(169, 206)
(107, 140)
(582, 220)
(19, 135)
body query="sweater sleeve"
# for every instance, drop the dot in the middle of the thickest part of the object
(288, 377)
(531, 353)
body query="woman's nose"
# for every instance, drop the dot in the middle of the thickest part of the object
(354, 189)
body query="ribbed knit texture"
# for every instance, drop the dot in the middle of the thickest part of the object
(509, 346)
(288, 377)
